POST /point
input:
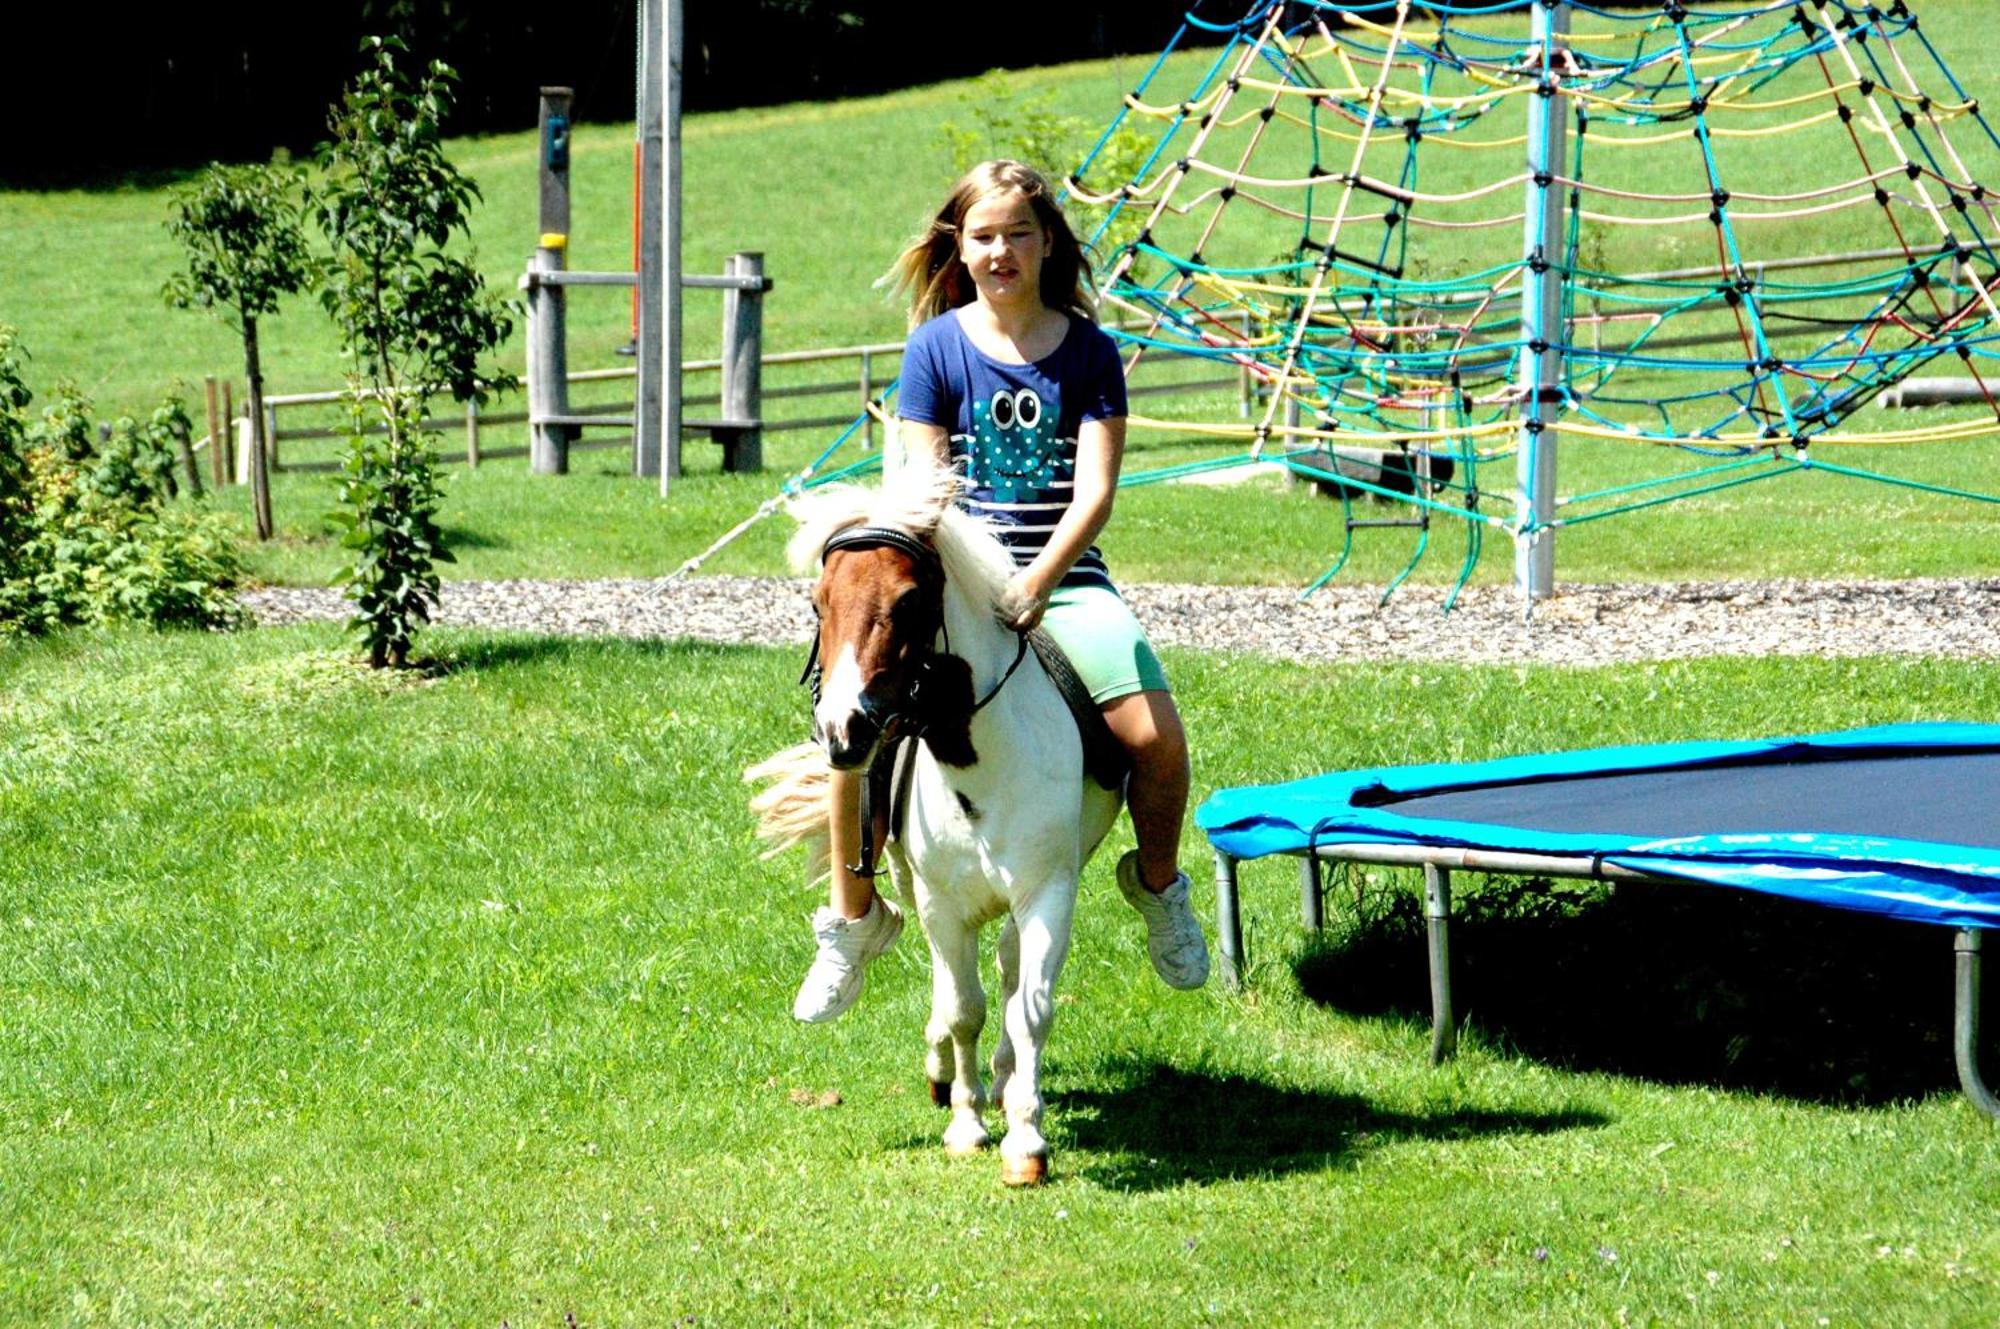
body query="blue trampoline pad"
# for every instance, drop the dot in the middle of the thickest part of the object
(1902, 820)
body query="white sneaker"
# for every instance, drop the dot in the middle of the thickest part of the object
(1173, 937)
(846, 945)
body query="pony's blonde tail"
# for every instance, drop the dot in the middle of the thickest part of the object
(791, 809)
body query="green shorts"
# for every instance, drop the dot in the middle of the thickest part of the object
(1104, 643)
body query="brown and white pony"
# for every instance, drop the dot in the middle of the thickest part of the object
(1001, 817)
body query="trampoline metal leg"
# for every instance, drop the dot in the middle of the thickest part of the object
(1228, 922)
(1312, 907)
(1965, 1023)
(1437, 919)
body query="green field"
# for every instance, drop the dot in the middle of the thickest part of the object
(827, 192)
(326, 998)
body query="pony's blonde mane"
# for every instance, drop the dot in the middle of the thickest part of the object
(919, 497)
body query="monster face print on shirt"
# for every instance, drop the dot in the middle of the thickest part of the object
(1014, 450)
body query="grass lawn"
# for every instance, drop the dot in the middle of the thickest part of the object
(329, 998)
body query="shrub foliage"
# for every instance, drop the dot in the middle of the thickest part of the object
(88, 533)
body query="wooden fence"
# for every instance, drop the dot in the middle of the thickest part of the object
(870, 370)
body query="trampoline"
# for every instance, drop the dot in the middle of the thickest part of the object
(1902, 821)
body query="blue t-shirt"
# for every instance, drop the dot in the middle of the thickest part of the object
(1013, 427)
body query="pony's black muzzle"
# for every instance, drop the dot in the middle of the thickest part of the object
(852, 753)
(853, 747)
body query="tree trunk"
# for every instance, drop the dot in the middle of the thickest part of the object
(260, 479)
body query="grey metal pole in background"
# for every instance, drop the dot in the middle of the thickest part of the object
(1539, 374)
(548, 349)
(647, 410)
(659, 449)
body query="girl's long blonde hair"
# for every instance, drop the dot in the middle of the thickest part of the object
(931, 272)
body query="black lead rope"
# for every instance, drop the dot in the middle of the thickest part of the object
(879, 783)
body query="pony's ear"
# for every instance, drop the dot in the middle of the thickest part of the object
(944, 714)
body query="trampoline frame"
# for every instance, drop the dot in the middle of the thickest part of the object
(1440, 861)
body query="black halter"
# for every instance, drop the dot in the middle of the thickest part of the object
(878, 537)
(899, 722)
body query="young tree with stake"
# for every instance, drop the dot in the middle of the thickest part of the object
(240, 229)
(413, 319)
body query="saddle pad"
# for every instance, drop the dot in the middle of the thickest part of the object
(1104, 758)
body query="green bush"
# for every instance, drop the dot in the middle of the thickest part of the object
(87, 533)
(17, 504)
(389, 496)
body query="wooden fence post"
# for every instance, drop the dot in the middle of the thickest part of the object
(472, 433)
(218, 448)
(742, 361)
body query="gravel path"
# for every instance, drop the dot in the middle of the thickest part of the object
(1582, 625)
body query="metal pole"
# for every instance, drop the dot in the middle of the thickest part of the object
(648, 409)
(1228, 922)
(548, 387)
(1539, 375)
(1965, 1024)
(1312, 895)
(548, 393)
(1437, 924)
(664, 283)
(867, 396)
(743, 362)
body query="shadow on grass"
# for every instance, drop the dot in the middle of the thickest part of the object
(1675, 984)
(464, 537)
(1153, 1126)
(1157, 1126)
(512, 651)
(88, 178)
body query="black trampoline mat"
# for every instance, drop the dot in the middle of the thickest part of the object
(1948, 798)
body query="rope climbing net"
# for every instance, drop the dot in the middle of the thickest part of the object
(1438, 229)
(1443, 235)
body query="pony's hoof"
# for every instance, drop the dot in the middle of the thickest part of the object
(940, 1093)
(1030, 1171)
(966, 1136)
